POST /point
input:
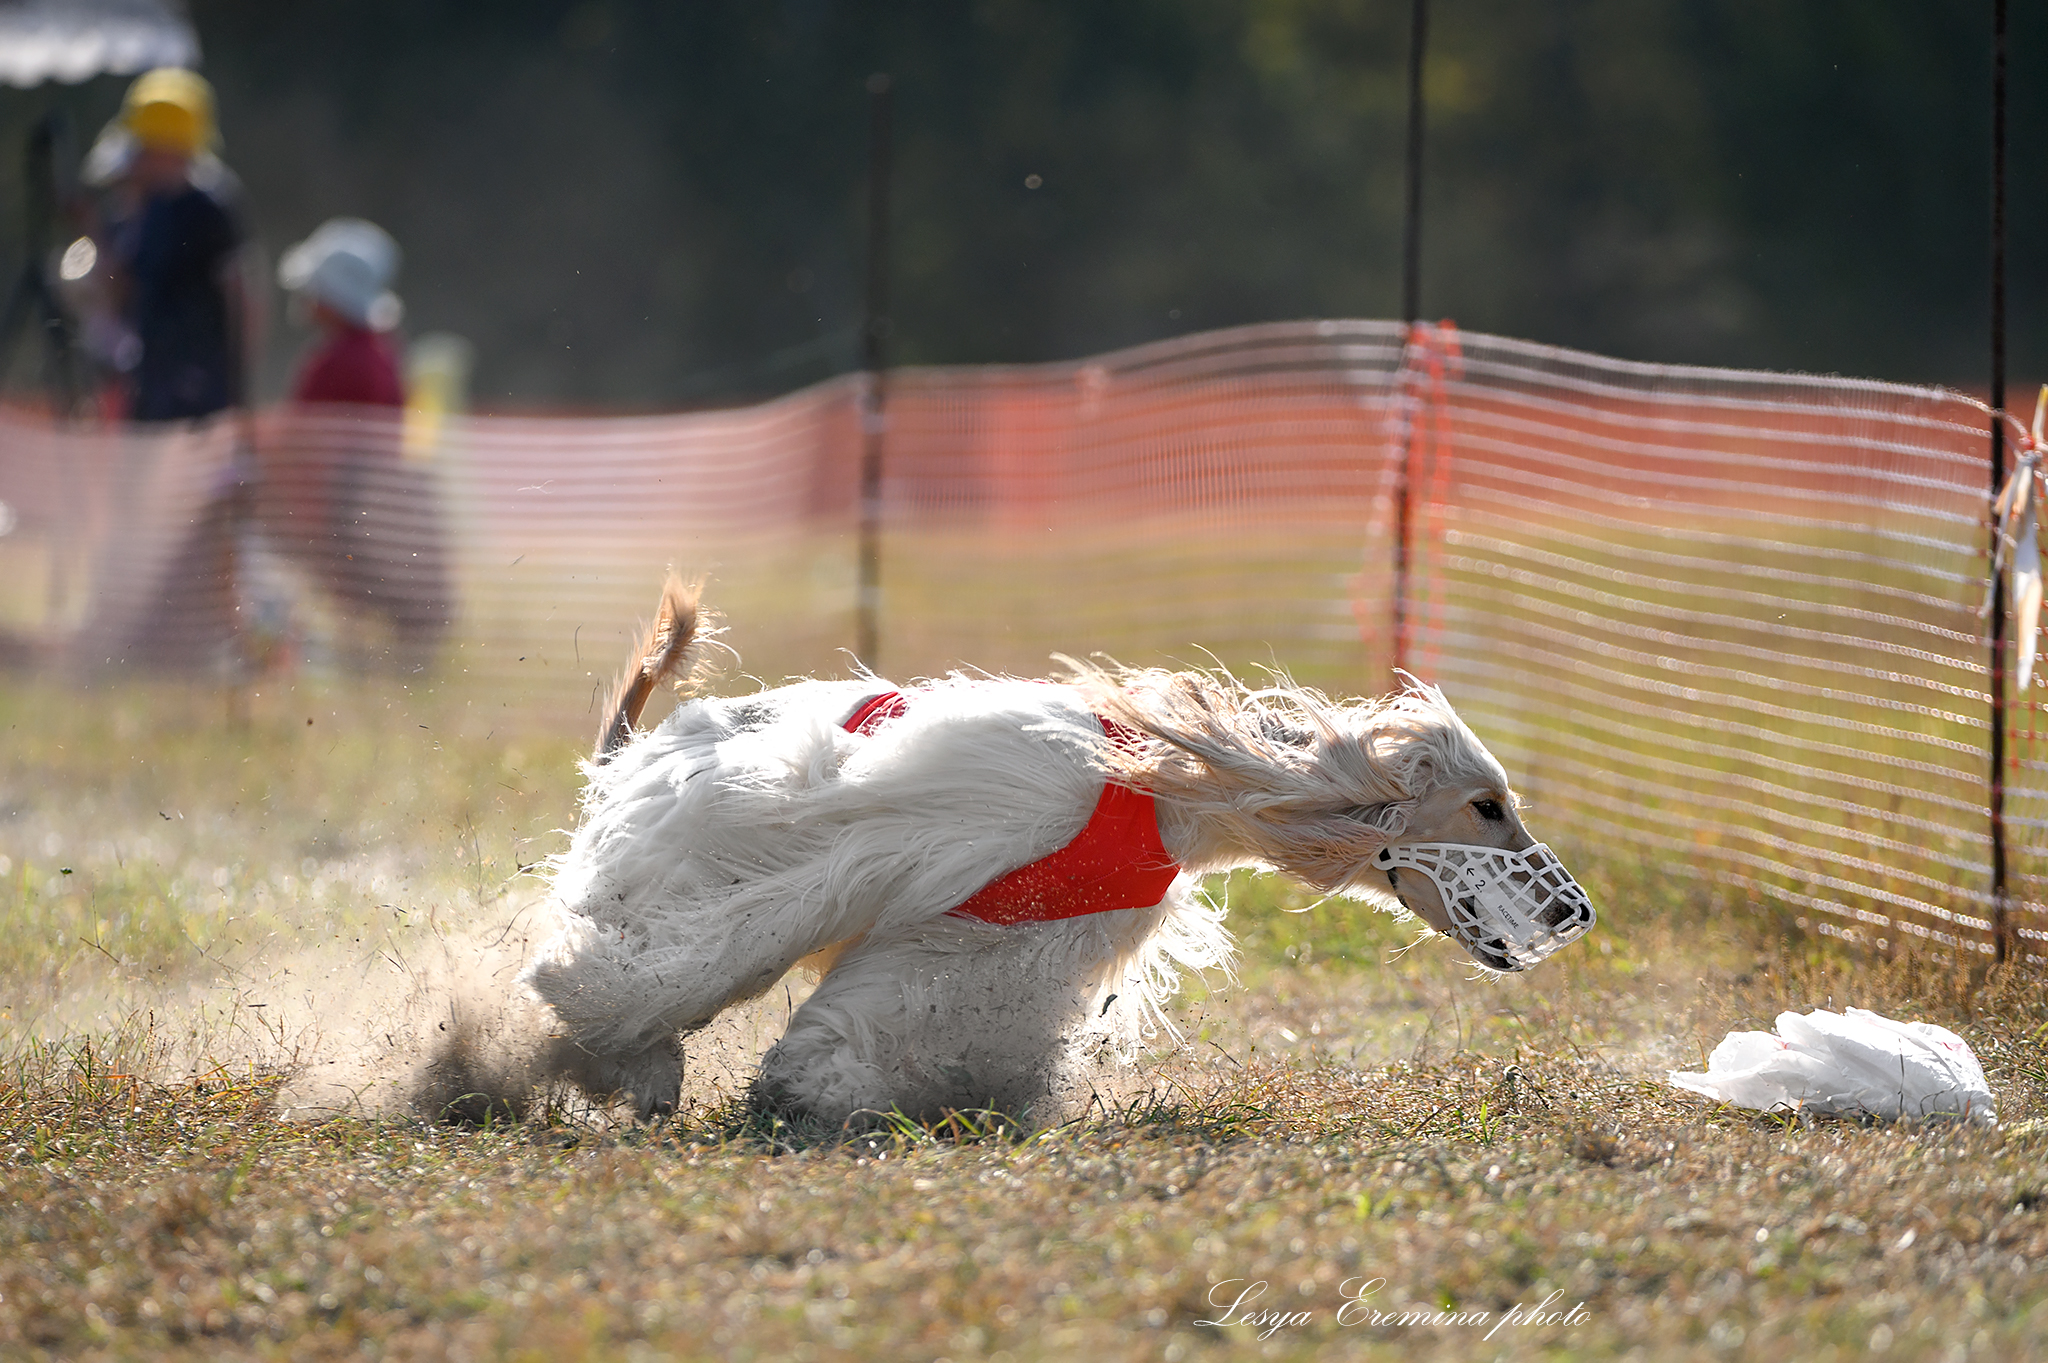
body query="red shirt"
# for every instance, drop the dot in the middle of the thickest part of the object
(1116, 861)
(354, 364)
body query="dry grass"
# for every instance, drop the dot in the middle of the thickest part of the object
(1337, 1118)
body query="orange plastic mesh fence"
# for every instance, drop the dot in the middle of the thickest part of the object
(1730, 619)
(1726, 620)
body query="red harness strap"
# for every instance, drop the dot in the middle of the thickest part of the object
(1116, 861)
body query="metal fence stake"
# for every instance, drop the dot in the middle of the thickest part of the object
(1411, 310)
(873, 414)
(2000, 894)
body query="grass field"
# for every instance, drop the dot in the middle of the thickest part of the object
(1348, 1131)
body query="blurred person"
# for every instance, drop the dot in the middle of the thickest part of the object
(341, 276)
(175, 246)
(174, 241)
(370, 523)
(95, 269)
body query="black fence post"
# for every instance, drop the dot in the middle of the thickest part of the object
(2001, 928)
(33, 302)
(1411, 310)
(874, 361)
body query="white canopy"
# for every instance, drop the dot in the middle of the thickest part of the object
(75, 40)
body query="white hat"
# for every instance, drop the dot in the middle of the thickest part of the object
(347, 264)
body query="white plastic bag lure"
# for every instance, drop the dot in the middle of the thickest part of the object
(1854, 1062)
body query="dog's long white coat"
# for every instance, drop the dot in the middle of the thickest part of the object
(742, 835)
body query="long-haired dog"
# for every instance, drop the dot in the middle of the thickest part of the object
(996, 877)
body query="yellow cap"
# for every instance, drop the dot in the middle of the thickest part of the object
(170, 109)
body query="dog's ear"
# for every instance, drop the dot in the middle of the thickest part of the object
(1328, 846)
(1275, 729)
(1389, 820)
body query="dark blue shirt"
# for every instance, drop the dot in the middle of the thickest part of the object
(180, 248)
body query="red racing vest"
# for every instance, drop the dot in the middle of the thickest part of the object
(1116, 861)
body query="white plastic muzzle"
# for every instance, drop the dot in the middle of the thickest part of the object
(1509, 909)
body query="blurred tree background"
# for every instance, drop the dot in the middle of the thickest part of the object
(631, 203)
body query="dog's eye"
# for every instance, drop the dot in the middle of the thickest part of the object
(1489, 810)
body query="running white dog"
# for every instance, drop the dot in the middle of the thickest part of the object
(996, 877)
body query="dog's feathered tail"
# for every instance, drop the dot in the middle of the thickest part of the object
(672, 650)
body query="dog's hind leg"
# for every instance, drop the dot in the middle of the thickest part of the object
(651, 1076)
(620, 1003)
